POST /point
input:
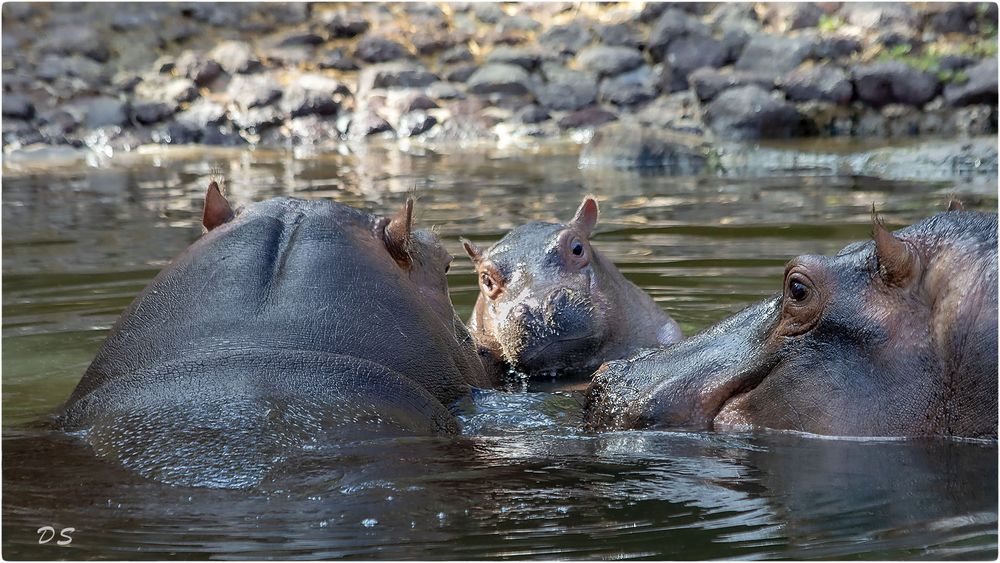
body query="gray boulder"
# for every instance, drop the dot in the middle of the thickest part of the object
(824, 83)
(708, 83)
(587, 118)
(980, 88)
(499, 79)
(235, 57)
(565, 89)
(400, 74)
(873, 15)
(629, 145)
(774, 53)
(17, 106)
(102, 111)
(749, 112)
(312, 94)
(891, 82)
(253, 91)
(524, 57)
(630, 88)
(687, 54)
(566, 39)
(375, 49)
(74, 39)
(609, 61)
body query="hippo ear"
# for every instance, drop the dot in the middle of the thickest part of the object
(397, 233)
(897, 261)
(955, 205)
(586, 216)
(472, 249)
(217, 209)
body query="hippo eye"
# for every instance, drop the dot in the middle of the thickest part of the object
(487, 282)
(576, 248)
(797, 290)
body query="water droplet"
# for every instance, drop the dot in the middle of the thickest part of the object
(369, 522)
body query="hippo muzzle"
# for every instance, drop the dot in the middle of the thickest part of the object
(686, 386)
(550, 335)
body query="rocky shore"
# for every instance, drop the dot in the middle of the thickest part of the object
(112, 77)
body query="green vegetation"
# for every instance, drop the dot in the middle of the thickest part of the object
(828, 24)
(929, 59)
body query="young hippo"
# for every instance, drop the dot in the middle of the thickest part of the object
(896, 336)
(290, 323)
(550, 303)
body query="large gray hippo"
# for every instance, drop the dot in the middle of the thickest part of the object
(550, 302)
(290, 324)
(895, 336)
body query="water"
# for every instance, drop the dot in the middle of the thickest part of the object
(523, 481)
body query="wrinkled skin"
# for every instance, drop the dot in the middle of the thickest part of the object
(896, 336)
(550, 303)
(289, 323)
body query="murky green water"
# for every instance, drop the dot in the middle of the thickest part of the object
(523, 482)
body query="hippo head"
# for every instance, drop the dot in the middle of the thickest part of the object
(550, 303)
(895, 336)
(419, 254)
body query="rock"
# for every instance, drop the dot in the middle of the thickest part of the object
(565, 89)
(788, 16)
(531, 114)
(53, 67)
(101, 111)
(488, 12)
(444, 91)
(620, 35)
(416, 102)
(201, 114)
(400, 74)
(18, 106)
(689, 53)
(74, 39)
(456, 54)
(460, 73)
(344, 24)
(235, 57)
(630, 88)
(774, 53)
(296, 39)
(337, 59)
(980, 88)
(976, 120)
(630, 145)
(200, 69)
(734, 40)
(256, 119)
(517, 22)
(367, 122)
(836, 47)
(178, 91)
(311, 130)
(312, 94)
(523, 57)
(955, 62)
(873, 15)
(890, 82)
(432, 41)
(709, 82)
(415, 123)
(948, 17)
(609, 61)
(565, 39)
(824, 82)
(586, 118)
(253, 91)
(165, 64)
(147, 112)
(749, 112)
(499, 79)
(670, 26)
(375, 49)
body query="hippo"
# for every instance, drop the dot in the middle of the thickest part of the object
(289, 324)
(551, 303)
(892, 337)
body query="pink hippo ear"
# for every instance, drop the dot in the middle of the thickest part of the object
(397, 234)
(586, 216)
(473, 250)
(898, 262)
(955, 205)
(217, 209)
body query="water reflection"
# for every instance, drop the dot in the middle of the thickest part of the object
(523, 481)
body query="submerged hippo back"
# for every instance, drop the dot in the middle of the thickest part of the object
(291, 309)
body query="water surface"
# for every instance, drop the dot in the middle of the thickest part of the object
(522, 481)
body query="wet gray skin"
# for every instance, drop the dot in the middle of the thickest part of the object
(289, 324)
(550, 303)
(896, 336)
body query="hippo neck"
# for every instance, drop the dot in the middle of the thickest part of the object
(640, 320)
